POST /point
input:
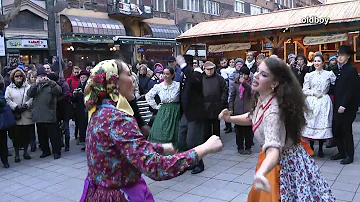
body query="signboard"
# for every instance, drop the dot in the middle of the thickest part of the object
(140, 50)
(97, 49)
(148, 42)
(316, 40)
(134, 9)
(85, 40)
(228, 47)
(2, 46)
(26, 44)
(13, 59)
(161, 50)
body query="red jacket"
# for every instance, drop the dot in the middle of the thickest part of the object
(73, 82)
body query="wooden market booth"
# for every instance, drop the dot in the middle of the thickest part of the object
(280, 32)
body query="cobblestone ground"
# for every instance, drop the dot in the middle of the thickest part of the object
(228, 177)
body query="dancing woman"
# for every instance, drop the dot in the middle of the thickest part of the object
(117, 153)
(285, 171)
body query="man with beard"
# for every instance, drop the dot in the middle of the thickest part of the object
(345, 105)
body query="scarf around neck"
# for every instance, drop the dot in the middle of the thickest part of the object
(242, 89)
(250, 64)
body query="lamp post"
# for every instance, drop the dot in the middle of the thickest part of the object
(59, 6)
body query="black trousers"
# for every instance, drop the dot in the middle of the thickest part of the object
(48, 131)
(343, 133)
(191, 134)
(211, 127)
(3, 146)
(243, 133)
(23, 135)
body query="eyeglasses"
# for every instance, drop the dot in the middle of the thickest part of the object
(19, 76)
(209, 69)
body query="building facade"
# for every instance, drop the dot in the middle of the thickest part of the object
(26, 36)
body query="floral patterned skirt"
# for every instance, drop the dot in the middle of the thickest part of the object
(296, 179)
(300, 178)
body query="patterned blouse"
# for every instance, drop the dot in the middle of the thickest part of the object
(167, 94)
(117, 153)
(267, 127)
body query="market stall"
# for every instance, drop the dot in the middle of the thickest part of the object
(300, 31)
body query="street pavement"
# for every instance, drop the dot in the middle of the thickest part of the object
(227, 177)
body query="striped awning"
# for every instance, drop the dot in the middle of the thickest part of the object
(164, 31)
(90, 25)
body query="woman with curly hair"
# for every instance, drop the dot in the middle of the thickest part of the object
(285, 171)
(117, 152)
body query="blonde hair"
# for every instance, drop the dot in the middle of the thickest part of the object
(29, 74)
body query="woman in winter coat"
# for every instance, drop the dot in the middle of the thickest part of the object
(4, 126)
(20, 103)
(240, 103)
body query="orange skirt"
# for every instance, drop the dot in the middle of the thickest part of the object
(274, 179)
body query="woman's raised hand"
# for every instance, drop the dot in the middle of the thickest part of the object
(213, 144)
(225, 115)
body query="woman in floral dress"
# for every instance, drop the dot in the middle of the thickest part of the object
(319, 119)
(117, 153)
(287, 172)
(166, 123)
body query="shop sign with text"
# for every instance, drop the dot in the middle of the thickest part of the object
(228, 47)
(26, 44)
(85, 40)
(97, 49)
(148, 42)
(317, 40)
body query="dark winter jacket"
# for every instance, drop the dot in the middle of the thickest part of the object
(45, 96)
(215, 92)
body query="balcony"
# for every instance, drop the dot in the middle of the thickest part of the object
(130, 10)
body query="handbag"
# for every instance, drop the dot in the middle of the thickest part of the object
(17, 115)
(7, 119)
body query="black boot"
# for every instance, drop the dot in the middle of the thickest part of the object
(67, 143)
(199, 168)
(26, 155)
(17, 155)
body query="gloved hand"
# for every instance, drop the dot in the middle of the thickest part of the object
(24, 107)
(19, 109)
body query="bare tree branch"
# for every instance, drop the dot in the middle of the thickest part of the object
(13, 12)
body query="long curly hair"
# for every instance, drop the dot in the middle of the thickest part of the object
(290, 98)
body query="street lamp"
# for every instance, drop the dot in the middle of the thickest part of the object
(59, 6)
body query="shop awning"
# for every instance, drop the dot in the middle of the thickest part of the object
(164, 31)
(91, 25)
(145, 41)
(345, 12)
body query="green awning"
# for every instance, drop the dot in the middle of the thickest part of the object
(145, 41)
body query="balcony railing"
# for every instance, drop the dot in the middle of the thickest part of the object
(141, 11)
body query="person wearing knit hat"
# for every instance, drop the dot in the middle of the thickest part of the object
(290, 59)
(239, 60)
(240, 103)
(157, 77)
(215, 91)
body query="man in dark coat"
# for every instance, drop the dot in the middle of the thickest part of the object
(345, 105)
(215, 91)
(191, 128)
(45, 93)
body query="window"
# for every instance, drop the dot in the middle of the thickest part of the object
(211, 7)
(239, 6)
(254, 10)
(265, 10)
(160, 5)
(192, 5)
(187, 27)
(125, 1)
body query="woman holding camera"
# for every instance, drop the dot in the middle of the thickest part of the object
(20, 103)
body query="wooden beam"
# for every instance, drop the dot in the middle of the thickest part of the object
(184, 48)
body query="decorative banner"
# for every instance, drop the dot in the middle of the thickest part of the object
(317, 40)
(26, 44)
(228, 47)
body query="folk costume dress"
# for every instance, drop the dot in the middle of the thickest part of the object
(117, 153)
(296, 178)
(320, 115)
(166, 123)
